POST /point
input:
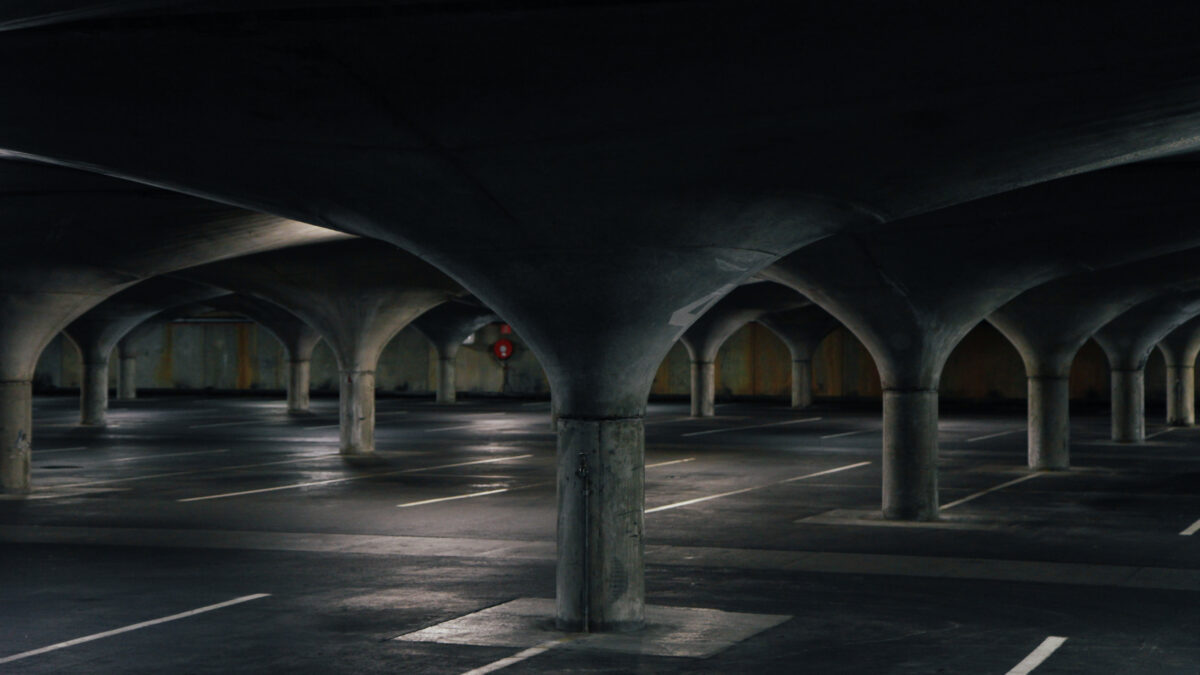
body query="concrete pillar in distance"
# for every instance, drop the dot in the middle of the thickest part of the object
(601, 485)
(299, 377)
(704, 385)
(93, 394)
(910, 446)
(16, 435)
(1049, 422)
(357, 412)
(1128, 406)
(127, 378)
(446, 389)
(802, 383)
(1181, 395)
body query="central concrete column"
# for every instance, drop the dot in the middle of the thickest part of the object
(801, 383)
(1049, 422)
(1128, 406)
(299, 376)
(16, 435)
(127, 378)
(357, 412)
(704, 386)
(93, 394)
(446, 392)
(910, 445)
(601, 485)
(1181, 395)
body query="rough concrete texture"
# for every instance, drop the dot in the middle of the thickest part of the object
(1049, 422)
(910, 455)
(446, 326)
(801, 329)
(1179, 350)
(601, 476)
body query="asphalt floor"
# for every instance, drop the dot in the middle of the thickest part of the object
(219, 535)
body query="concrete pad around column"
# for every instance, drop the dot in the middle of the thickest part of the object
(670, 631)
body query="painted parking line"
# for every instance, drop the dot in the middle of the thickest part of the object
(50, 452)
(460, 426)
(995, 435)
(136, 626)
(1037, 656)
(1192, 529)
(846, 433)
(674, 461)
(752, 426)
(981, 493)
(756, 487)
(1160, 433)
(173, 454)
(485, 493)
(172, 474)
(521, 656)
(346, 479)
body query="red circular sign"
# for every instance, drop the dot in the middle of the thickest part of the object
(503, 349)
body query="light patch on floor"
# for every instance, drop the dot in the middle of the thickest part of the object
(669, 631)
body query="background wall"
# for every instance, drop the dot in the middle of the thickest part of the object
(238, 355)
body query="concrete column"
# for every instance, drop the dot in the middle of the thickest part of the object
(357, 412)
(93, 394)
(601, 482)
(127, 378)
(1049, 422)
(910, 445)
(1181, 396)
(801, 383)
(446, 392)
(1128, 406)
(704, 385)
(299, 376)
(16, 435)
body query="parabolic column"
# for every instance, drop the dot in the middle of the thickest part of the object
(704, 384)
(601, 478)
(299, 377)
(16, 435)
(93, 394)
(1181, 395)
(446, 392)
(1049, 422)
(127, 378)
(1128, 406)
(801, 384)
(910, 445)
(357, 412)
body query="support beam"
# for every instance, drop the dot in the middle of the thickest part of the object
(127, 377)
(802, 383)
(601, 485)
(298, 385)
(16, 435)
(910, 446)
(93, 394)
(1128, 405)
(356, 411)
(704, 389)
(1181, 395)
(446, 391)
(1049, 422)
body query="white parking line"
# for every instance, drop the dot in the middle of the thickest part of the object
(846, 433)
(136, 626)
(461, 426)
(996, 435)
(1160, 433)
(981, 493)
(756, 487)
(521, 656)
(347, 479)
(48, 452)
(173, 454)
(497, 491)
(753, 426)
(1192, 529)
(1037, 656)
(674, 461)
(218, 469)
